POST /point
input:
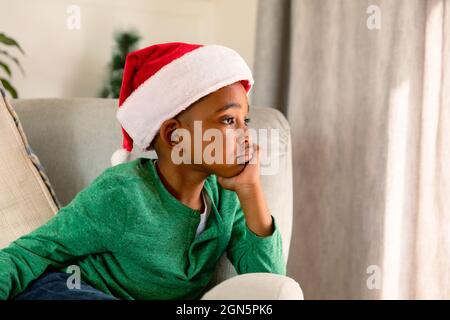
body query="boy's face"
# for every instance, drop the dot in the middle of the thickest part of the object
(225, 113)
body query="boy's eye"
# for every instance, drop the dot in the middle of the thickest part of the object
(229, 120)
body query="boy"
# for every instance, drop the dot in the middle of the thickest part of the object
(153, 228)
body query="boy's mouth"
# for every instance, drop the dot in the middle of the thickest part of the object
(245, 156)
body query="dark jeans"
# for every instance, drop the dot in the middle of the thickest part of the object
(53, 286)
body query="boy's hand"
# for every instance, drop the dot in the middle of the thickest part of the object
(247, 186)
(248, 179)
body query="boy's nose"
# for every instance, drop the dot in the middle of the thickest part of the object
(245, 137)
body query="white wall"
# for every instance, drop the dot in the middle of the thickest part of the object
(60, 62)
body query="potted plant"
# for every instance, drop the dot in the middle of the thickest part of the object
(125, 42)
(6, 74)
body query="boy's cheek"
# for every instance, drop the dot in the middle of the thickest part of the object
(221, 151)
(229, 150)
(223, 155)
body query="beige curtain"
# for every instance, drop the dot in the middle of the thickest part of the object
(370, 115)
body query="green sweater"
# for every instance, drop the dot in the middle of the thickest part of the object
(133, 239)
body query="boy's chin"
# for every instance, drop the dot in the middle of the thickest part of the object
(227, 170)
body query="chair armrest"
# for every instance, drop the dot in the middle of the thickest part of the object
(256, 286)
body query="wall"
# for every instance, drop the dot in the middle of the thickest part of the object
(60, 62)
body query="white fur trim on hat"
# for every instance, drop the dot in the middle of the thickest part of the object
(120, 156)
(176, 86)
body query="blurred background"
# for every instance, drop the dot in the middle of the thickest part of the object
(68, 44)
(364, 85)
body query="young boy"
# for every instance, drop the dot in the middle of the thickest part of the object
(156, 228)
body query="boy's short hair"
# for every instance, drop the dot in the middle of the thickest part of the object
(151, 146)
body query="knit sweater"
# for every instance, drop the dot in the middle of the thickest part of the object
(133, 239)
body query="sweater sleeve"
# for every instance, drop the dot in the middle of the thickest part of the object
(84, 226)
(249, 252)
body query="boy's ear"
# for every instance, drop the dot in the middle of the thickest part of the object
(166, 130)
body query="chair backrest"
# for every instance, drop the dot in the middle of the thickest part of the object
(75, 138)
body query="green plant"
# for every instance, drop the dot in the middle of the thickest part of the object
(125, 42)
(7, 41)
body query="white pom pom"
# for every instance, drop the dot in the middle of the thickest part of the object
(120, 156)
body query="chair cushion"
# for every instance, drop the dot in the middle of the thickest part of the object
(84, 133)
(256, 286)
(27, 199)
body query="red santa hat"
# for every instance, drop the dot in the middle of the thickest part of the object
(162, 80)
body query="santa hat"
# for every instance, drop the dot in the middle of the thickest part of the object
(162, 80)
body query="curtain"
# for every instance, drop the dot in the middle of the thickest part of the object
(365, 87)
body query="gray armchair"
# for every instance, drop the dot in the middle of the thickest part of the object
(61, 132)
